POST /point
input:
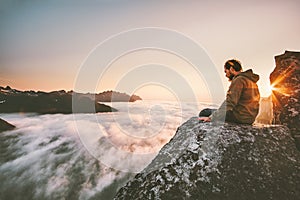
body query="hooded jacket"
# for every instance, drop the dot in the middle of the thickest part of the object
(242, 99)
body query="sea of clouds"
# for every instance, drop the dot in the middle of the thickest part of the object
(78, 156)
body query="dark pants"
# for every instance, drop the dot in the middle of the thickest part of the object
(229, 115)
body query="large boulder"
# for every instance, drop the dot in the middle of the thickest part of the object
(285, 80)
(221, 161)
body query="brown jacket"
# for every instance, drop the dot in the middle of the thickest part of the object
(242, 99)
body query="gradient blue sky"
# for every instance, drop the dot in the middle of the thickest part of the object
(44, 43)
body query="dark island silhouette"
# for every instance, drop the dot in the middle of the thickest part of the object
(12, 100)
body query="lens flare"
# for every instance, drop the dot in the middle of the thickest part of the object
(278, 86)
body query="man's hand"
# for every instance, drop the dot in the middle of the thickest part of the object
(204, 119)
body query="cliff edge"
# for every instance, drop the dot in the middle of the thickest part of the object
(221, 161)
(229, 161)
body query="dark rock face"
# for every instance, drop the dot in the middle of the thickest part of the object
(286, 96)
(5, 126)
(221, 161)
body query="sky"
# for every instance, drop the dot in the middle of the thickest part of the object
(47, 45)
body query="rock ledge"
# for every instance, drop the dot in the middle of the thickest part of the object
(221, 161)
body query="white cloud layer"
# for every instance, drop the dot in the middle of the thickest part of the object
(54, 152)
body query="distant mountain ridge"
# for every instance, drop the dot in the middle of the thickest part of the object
(12, 100)
(110, 96)
(106, 96)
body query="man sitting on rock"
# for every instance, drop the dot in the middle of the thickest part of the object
(242, 99)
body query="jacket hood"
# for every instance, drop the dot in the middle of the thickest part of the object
(250, 75)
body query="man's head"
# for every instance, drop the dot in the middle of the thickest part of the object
(232, 68)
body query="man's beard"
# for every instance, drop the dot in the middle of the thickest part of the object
(231, 77)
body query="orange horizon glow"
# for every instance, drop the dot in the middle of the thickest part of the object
(47, 53)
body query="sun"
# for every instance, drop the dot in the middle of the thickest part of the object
(267, 90)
